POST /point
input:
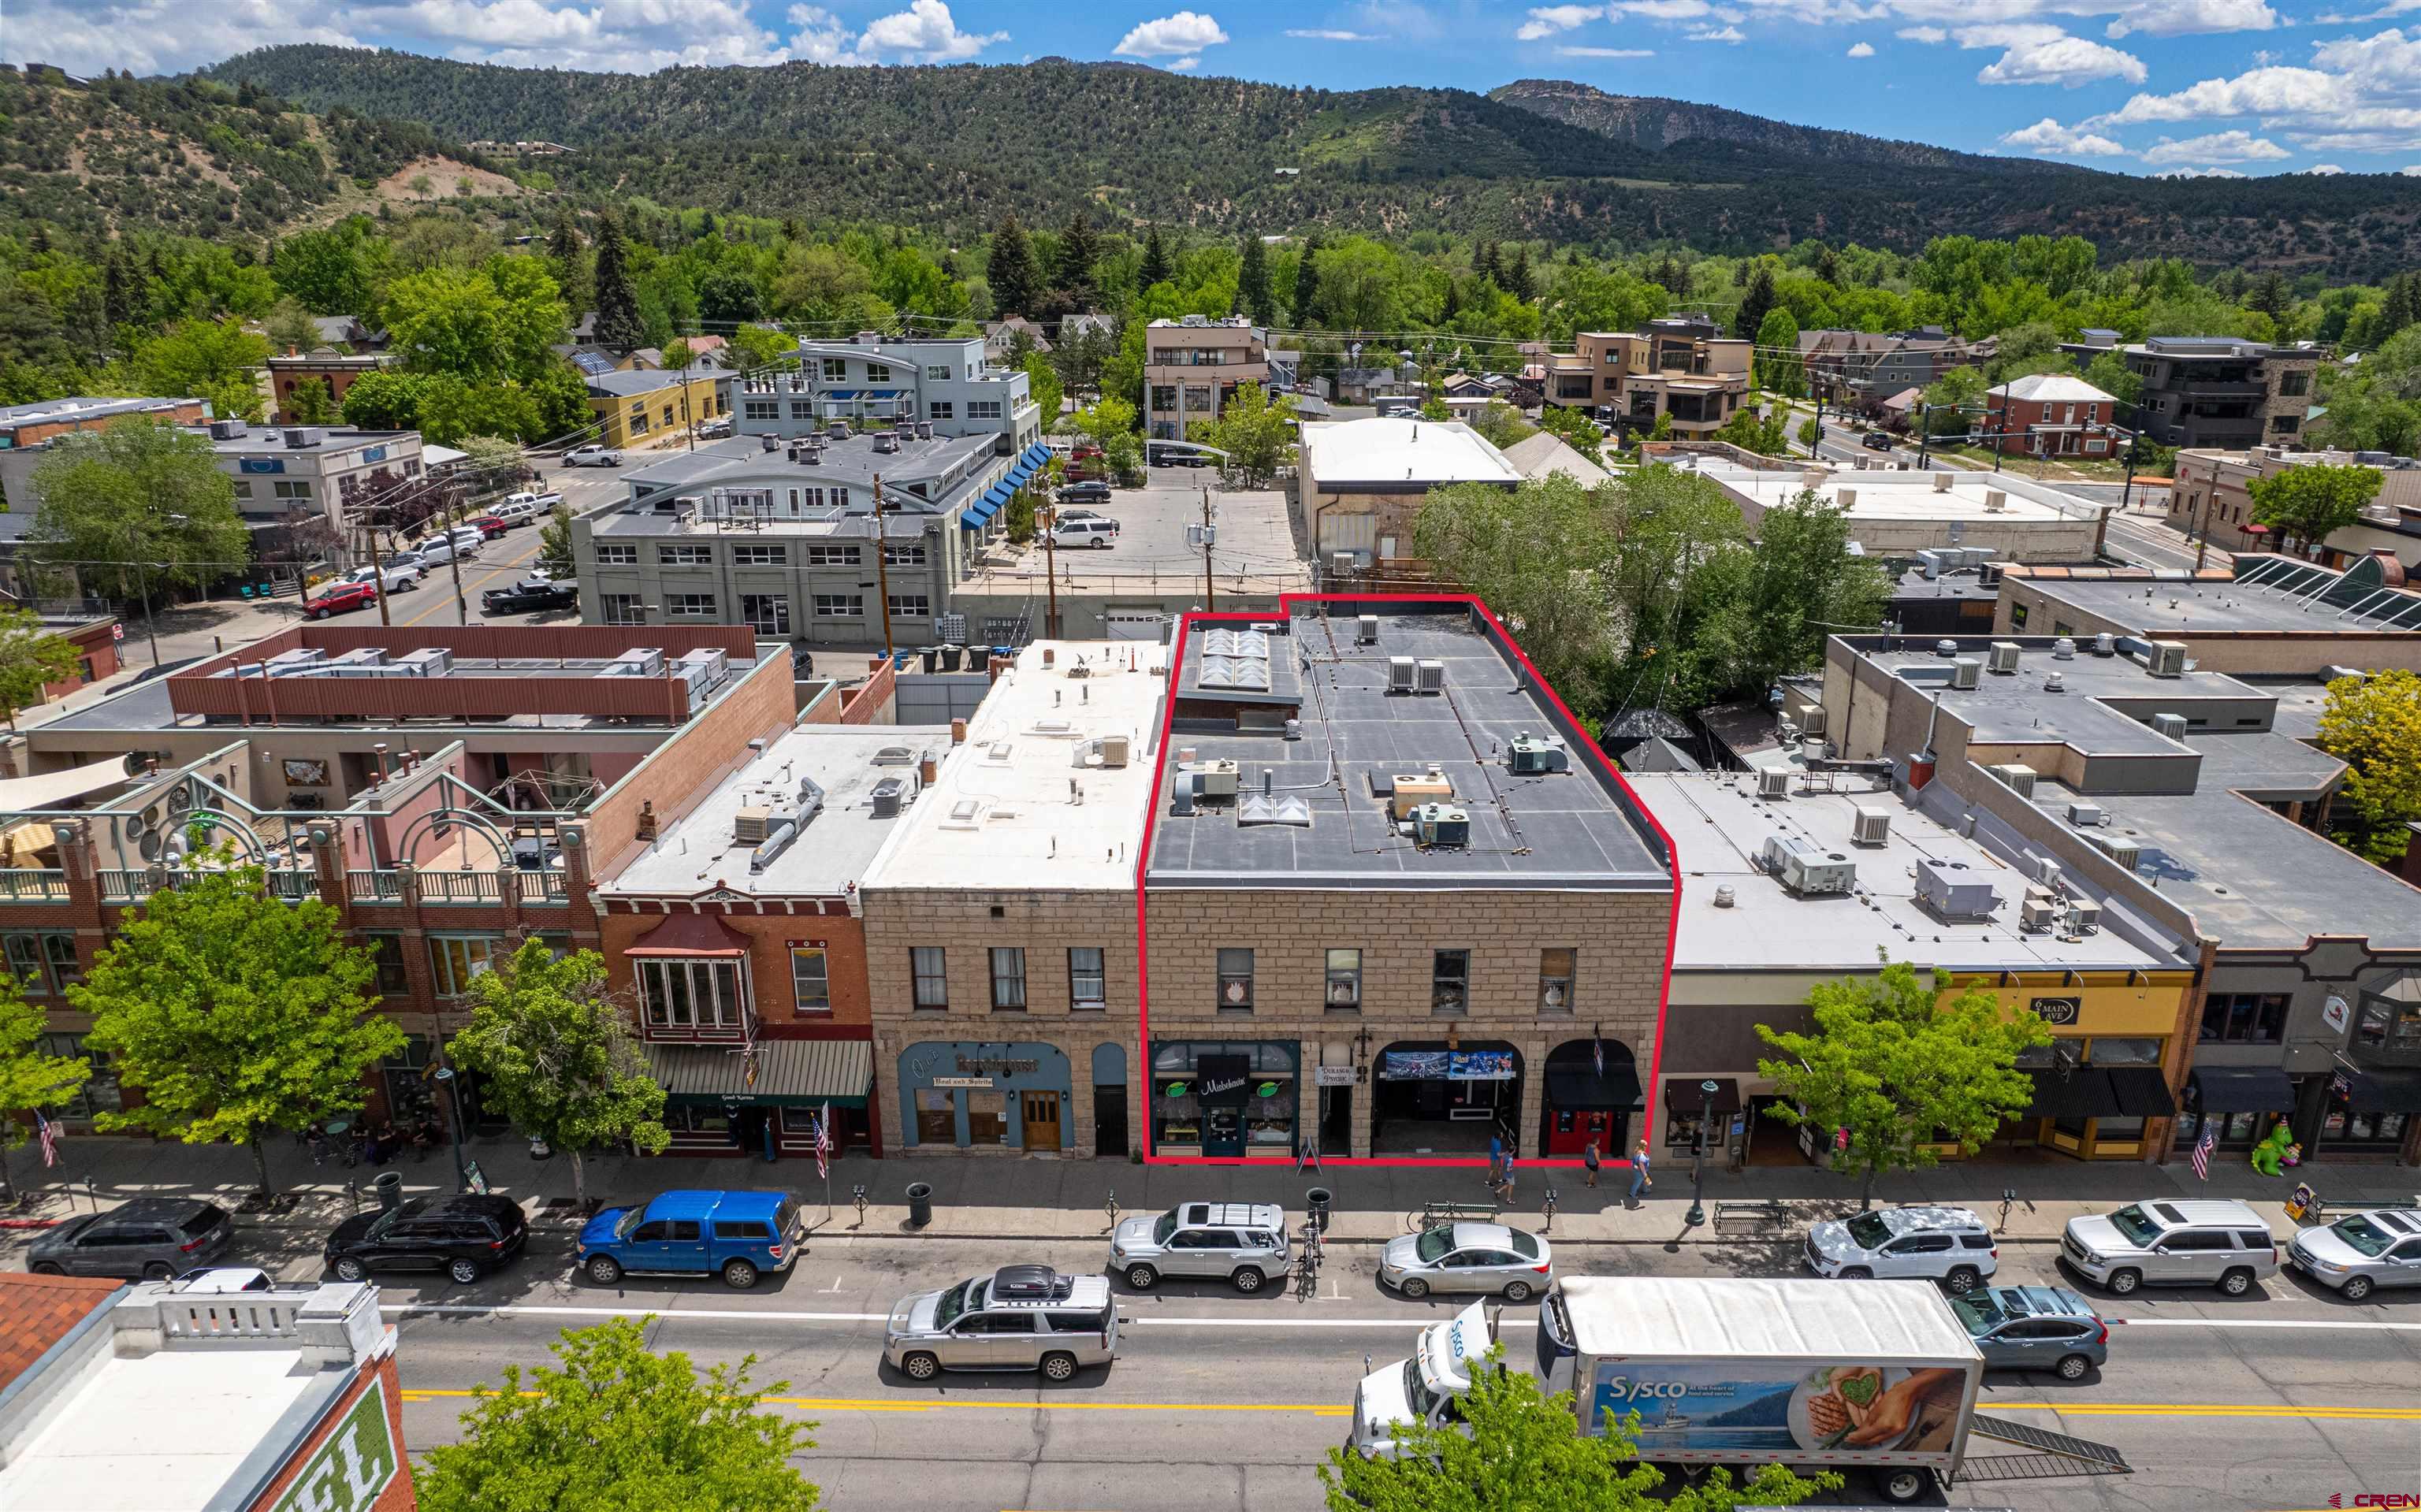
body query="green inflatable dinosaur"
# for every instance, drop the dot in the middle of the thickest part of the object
(2270, 1155)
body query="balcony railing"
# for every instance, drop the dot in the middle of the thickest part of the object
(129, 886)
(462, 887)
(21, 884)
(374, 886)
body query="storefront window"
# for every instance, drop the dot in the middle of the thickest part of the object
(2244, 1018)
(409, 1095)
(707, 1121)
(1344, 980)
(2106, 1129)
(2388, 1025)
(2237, 1130)
(937, 1118)
(1239, 1095)
(987, 1116)
(2123, 1052)
(99, 1092)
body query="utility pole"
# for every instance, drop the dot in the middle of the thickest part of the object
(1210, 591)
(1043, 517)
(883, 568)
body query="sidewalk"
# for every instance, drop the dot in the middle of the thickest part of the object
(1040, 1199)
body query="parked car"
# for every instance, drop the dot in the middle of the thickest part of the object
(436, 550)
(1090, 491)
(466, 1237)
(1946, 1244)
(149, 1239)
(1064, 514)
(341, 597)
(528, 504)
(530, 598)
(2362, 1252)
(2035, 1328)
(222, 1280)
(1876, 441)
(1019, 1318)
(396, 559)
(1245, 1243)
(2172, 1244)
(740, 1235)
(592, 456)
(1488, 1257)
(401, 578)
(1095, 534)
(489, 527)
(716, 426)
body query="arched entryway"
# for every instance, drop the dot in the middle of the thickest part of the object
(1428, 1097)
(1592, 1091)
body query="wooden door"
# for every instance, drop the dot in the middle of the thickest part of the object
(1041, 1120)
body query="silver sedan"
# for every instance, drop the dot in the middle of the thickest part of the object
(1468, 1257)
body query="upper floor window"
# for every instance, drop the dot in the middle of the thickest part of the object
(681, 993)
(1555, 980)
(1235, 980)
(454, 959)
(617, 553)
(43, 963)
(835, 369)
(1450, 981)
(685, 556)
(929, 967)
(2244, 1018)
(810, 979)
(1086, 980)
(1344, 979)
(1008, 979)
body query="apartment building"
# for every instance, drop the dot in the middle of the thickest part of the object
(1193, 366)
(2052, 415)
(1397, 904)
(2211, 500)
(2221, 392)
(635, 406)
(2252, 615)
(1681, 367)
(328, 471)
(873, 383)
(1001, 946)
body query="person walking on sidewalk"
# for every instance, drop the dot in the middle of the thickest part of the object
(1589, 1158)
(1496, 1160)
(1641, 1183)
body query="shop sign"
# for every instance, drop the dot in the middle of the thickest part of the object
(2334, 1013)
(1267, 1089)
(1414, 1064)
(351, 1466)
(977, 1081)
(1480, 1065)
(2058, 1011)
(1211, 1087)
(994, 1065)
(1331, 1076)
(373, 454)
(260, 464)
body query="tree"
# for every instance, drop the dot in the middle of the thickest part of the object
(727, 297)
(1756, 299)
(2373, 724)
(1043, 380)
(2309, 503)
(555, 552)
(1901, 1066)
(384, 400)
(614, 1424)
(1752, 430)
(1519, 1447)
(1155, 268)
(1253, 281)
(820, 284)
(757, 346)
(1518, 281)
(290, 327)
(421, 186)
(1080, 248)
(237, 1013)
(1502, 425)
(31, 1078)
(1577, 430)
(489, 462)
(1777, 353)
(619, 327)
(563, 250)
(1306, 282)
(1810, 432)
(500, 321)
(1954, 403)
(31, 658)
(308, 403)
(213, 360)
(1016, 282)
(1537, 555)
(556, 1056)
(113, 498)
(1257, 429)
(2110, 373)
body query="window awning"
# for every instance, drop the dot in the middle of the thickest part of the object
(1035, 455)
(1685, 1099)
(1573, 1084)
(2142, 1091)
(1017, 474)
(2241, 1089)
(790, 1073)
(2084, 1093)
(2383, 1091)
(978, 514)
(996, 496)
(691, 934)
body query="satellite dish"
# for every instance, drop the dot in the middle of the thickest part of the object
(150, 848)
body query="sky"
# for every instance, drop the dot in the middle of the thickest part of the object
(2225, 87)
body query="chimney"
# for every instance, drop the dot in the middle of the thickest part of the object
(957, 732)
(997, 665)
(926, 770)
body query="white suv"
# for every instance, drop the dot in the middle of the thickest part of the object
(1946, 1244)
(1245, 1243)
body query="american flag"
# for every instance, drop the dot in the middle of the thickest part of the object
(2203, 1147)
(1597, 1053)
(50, 1133)
(824, 1144)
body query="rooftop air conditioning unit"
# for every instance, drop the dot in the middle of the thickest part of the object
(1431, 677)
(2088, 816)
(748, 826)
(2048, 874)
(1872, 826)
(1531, 757)
(1774, 782)
(1216, 779)
(1996, 500)
(227, 431)
(2171, 725)
(1941, 482)
(891, 794)
(1965, 672)
(773, 443)
(1951, 890)
(1366, 627)
(1811, 719)
(1807, 868)
(2004, 658)
(2084, 918)
(2123, 852)
(2038, 915)
(1407, 793)
(2020, 777)
(1343, 563)
(1401, 674)
(1988, 575)
(1115, 750)
(2168, 659)
(1440, 825)
(428, 662)
(1845, 498)
(641, 661)
(303, 437)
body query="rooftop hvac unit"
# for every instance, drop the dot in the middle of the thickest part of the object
(2020, 777)
(2048, 874)
(1811, 719)
(1529, 755)
(1430, 679)
(1988, 575)
(2124, 851)
(1995, 501)
(2333, 673)
(1409, 791)
(428, 662)
(892, 794)
(714, 661)
(1215, 779)
(1401, 674)
(1114, 749)
(1954, 890)
(1872, 827)
(2038, 915)
(303, 437)
(1845, 498)
(1965, 672)
(2084, 918)
(2172, 725)
(923, 430)
(2168, 659)
(640, 661)
(2088, 816)
(1941, 482)
(2004, 658)
(227, 431)
(771, 443)
(1343, 563)
(748, 826)
(1366, 627)
(1440, 825)
(1929, 563)
(1774, 782)
(1807, 868)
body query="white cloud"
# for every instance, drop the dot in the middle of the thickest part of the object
(1923, 33)
(2325, 169)
(1545, 21)
(2219, 146)
(2359, 94)
(1667, 9)
(2035, 52)
(2410, 170)
(2182, 18)
(2199, 173)
(1862, 50)
(2048, 138)
(1330, 33)
(1180, 35)
(1710, 33)
(1185, 65)
(923, 33)
(2394, 8)
(1605, 52)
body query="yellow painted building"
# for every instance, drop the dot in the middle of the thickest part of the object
(2134, 1022)
(633, 408)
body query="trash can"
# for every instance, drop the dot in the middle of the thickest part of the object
(920, 1204)
(1318, 1199)
(390, 1190)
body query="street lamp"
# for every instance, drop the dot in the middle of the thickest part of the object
(454, 1124)
(1697, 1213)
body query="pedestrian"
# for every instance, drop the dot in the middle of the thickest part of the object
(1589, 1158)
(1496, 1159)
(317, 1136)
(1641, 1183)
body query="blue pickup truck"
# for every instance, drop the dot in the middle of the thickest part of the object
(740, 1235)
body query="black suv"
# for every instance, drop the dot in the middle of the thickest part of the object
(1091, 490)
(1876, 441)
(465, 1236)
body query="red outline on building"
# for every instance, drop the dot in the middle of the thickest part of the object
(1143, 864)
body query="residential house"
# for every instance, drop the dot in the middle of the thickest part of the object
(2222, 393)
(1193, 365)
(2052, 415)
(1680, 369)
(1001, 338)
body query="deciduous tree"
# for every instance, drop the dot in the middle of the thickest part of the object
(31, 658)
(308, 403)
(1043, 380)
(138, 491)
(2373, 724)
(31, 1080)
(1537, 555)
(1257, 429)
(2309, 503)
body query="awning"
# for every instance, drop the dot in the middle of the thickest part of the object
(997, 494)
(1035, 455)
(1017, 474)
(2383, 1091)
(49, 790)
(978, 514)
(2084, 1093)
(691, 934)
(1573, 1084)
(1685, 1099)
(790, 1073)
(2241, 1089)
(2142, 1092)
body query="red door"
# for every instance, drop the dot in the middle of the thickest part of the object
(1569, 1133)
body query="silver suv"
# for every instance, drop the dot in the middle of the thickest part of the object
(1950, 1245)
(1245, 1243)
(1019, 1318)
(2172, 1244)
(2362, 1252)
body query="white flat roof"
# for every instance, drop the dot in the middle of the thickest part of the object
(698, 852)
(1026, 802)
(159, 1432)
(1895, 495)
(1719, 825)
(1400, 449)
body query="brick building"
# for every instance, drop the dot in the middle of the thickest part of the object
(2052, 415)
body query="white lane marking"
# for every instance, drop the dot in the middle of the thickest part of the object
(2364, 1323)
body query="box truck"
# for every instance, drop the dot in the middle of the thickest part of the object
(1872, 1376)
